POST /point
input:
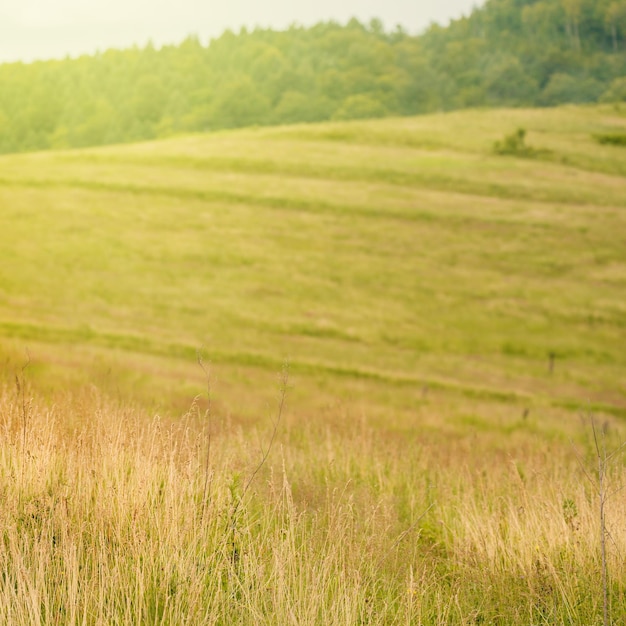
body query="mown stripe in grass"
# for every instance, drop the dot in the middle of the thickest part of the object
(144, 345)
(413, 178)
(274, 202)
(314, 207)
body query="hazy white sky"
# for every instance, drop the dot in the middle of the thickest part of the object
(42, 29)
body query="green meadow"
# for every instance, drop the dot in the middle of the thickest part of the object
(402, 252)
(450, 319)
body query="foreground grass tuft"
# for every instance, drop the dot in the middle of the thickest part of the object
(103, 522)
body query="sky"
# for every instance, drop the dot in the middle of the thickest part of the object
(46, 29)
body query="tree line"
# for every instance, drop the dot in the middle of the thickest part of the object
(506, 53)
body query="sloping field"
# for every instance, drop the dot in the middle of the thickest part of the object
(401, 252)
(451, 319)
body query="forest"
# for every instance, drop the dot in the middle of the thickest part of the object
(507, 53)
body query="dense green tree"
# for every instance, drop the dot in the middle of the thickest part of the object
(507, 83)
(359, 107)
(564, 88)
(615, 93)
(615, 20)
(240, 103)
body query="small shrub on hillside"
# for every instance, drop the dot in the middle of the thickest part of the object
(514, 144)
(611, 139)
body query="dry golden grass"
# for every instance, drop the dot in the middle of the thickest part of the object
(104, 521)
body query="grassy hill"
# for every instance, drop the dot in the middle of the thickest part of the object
(402, 252)
(448, 314)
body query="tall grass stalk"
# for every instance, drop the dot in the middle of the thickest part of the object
(599, 483)
(207, 415)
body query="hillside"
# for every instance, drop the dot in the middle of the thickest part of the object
(506, 53)
(402, 253)
(448, 294)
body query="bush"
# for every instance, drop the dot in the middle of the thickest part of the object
(514, 144)
(612, 139)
